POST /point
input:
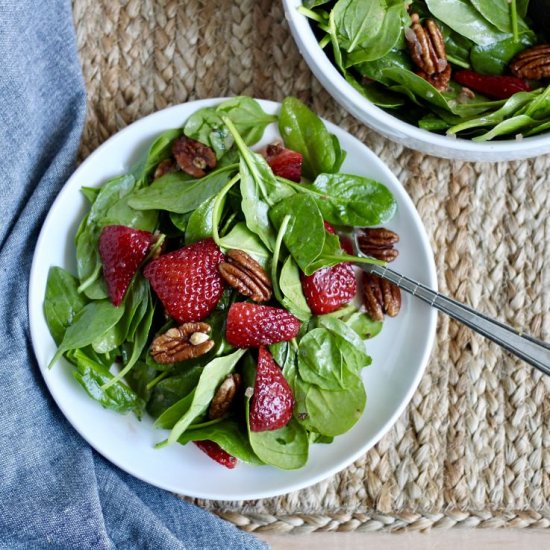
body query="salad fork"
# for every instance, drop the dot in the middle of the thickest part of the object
(531, 350)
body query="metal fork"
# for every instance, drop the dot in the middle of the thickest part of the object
(532, 351)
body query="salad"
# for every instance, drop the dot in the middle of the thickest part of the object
(214, 290)
(476, 69)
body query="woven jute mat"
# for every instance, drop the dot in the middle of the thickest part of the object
(473, 447)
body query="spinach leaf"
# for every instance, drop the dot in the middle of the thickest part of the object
(333, 413)
(180, 221)
(200, 224)
(242, 238)
(511, 106)
(375, 45)
(249, 118)
(174, 193)
(229, 435)
(92, 375)
(363, 325)
(357, 21)
(499, 13)
(463, 18)
(321, 361)
(291, 287)
(254, 207)
(348, 341)
(211, 377)
(344, 199)
(139, 379)
(170, 416)
(160, 149)
(62, 302)
(306, 219)
(494, 58)
(171, 390)
(286, 448)
(207, 126)
(303, 131)
(90, 324)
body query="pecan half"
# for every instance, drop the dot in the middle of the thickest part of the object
(224, 396)
(179, 344)
(246, 275)
(380, 297)
(378, 242)
(193, 157)
(165, 167)
(427, 49)
(532, 63)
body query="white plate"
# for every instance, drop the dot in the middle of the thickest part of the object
(400, 352)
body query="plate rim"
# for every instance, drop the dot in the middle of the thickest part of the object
(431, 275)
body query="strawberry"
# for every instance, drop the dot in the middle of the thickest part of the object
(284, 162)
(329, 227)
(122, 249)
(252, 325)
(215, 452)
(187, 281)
(329, 288)
(272, 401)
(345, 242)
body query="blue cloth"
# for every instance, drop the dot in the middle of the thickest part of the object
(55, 491)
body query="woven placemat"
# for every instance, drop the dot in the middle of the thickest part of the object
(473, 447)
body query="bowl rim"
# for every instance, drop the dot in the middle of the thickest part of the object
(381, 121)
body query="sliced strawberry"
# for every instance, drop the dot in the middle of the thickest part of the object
(329, 288)
(347, 245)
(187, 281)
(329, 227)
(284, 162)
(272, 402)
(252, 325)
(215, 452)
(122, 249)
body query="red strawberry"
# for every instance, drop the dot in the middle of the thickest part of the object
(215, 452)
(329, 288)
(284, 162)
(122, 249)
(252, 325)
(329, 227)
(272, 401)
(187, 281)
(347, 245)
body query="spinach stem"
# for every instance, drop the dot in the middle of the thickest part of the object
(246, 155)
(90, 280)
(218, 205)
(310, 14)
(459, 62)
(354, 259)
(157, 379)
(325, 41)
(227, 224)
(204, 424)
(275, 259)
(514, 13)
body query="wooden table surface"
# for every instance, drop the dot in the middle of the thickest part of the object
(449, 539)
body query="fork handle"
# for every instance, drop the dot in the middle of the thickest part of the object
(533, 351)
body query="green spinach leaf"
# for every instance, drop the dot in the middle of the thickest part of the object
(303, 131)
(90, 324)
(211, 377)
(62, 302)
(229, 435)
(174, 193)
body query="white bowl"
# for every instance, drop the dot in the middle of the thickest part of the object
(400, 352)
(390, 126)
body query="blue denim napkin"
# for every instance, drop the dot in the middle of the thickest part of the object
(55, 491)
